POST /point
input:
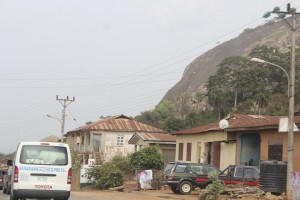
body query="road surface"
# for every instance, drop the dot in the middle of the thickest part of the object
(126, 195)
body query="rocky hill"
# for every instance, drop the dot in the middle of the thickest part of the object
(273, 33)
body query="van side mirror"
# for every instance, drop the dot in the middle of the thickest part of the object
(9, 162)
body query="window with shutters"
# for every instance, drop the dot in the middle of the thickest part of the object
(180, 151)
(275, 149)
(188, 151)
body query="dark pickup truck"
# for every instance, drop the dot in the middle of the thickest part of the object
(234, 174)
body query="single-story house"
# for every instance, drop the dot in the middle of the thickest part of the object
(106, 137)
(50, 138)
(246, 137)
(166, 143)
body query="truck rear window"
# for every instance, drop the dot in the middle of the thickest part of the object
(44, 155)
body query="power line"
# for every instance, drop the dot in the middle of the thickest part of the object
(74, 119)
(152, 66)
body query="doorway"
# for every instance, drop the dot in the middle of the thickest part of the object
(249, 148)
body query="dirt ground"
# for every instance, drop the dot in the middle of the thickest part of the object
(131, 192)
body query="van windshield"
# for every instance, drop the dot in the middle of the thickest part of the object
(44, 155)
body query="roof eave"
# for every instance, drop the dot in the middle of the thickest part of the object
(206, 131)
(159, 142)
(253, 128)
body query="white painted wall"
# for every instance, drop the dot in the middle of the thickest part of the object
(109, 144)
(228, 155)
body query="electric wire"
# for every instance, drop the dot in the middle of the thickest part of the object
(34, 106)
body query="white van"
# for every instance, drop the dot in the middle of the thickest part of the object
(41, 170)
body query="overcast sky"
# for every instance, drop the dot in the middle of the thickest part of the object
(114, 56)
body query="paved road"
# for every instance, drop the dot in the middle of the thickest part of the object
(134, 195)
(3, 196)
(127, 195)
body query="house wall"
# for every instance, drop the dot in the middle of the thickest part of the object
(109, 146)
(198, 146)
(167, 150)
(228, 154)
(267, 135)
(140, 144)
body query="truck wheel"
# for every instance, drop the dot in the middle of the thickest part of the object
(185, 187)
(174, 190)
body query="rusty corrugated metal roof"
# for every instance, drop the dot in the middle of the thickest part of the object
(240, 122)
(51, 138)
(200, 129)
(165, 137)
(153, 137)
(117, 123)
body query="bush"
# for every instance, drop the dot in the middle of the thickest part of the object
(147, 158)
(215, 187)
(105, 176)
(123, 163)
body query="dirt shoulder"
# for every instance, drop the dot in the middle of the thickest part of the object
(130, 192)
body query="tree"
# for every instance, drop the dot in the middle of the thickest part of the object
(147, 158)
(261, 96)
(163, 116)
(2, 155)
(173, 124)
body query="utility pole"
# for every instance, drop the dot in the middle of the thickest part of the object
(290, 148)
(64, 103)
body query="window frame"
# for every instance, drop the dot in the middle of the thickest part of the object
(189, 151)
(180, 151)
(120, 140)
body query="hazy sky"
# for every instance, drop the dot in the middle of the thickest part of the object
(114, 56)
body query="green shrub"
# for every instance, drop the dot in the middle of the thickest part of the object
(215, 187)
(105, 176)
(147, 158)
(123, 163)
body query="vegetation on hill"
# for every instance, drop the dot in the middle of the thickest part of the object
(239, 85)
(164, 116)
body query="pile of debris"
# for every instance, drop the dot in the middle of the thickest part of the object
(241, 192)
